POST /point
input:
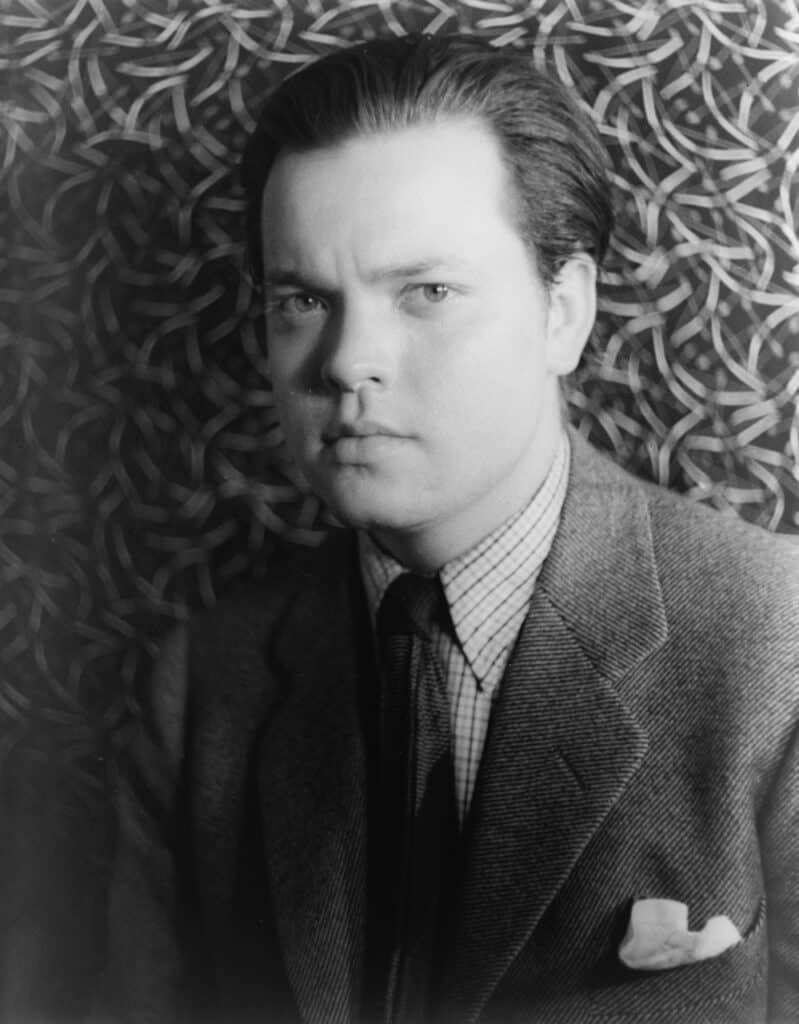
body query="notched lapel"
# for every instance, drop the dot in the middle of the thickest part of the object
(312, 788)
(561, 750)
(564, 743)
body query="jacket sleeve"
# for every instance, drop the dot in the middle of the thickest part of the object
(144, 961)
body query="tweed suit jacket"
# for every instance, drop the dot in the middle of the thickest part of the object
(644, 744)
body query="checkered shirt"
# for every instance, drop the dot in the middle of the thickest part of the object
(488, 590)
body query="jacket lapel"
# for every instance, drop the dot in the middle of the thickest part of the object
(311, 763)
(563, 744)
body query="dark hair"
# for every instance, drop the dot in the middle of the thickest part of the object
(551, 146)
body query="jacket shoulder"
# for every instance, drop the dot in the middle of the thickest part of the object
(703, 544)
(705, 550)
(249, 611)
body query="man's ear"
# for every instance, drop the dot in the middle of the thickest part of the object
(572, 310)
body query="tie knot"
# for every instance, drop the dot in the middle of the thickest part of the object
(412, 604)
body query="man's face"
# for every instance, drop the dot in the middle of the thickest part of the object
(410, 343)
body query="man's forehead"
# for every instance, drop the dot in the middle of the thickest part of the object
(436, 126)
(396, 204)
(442, 150)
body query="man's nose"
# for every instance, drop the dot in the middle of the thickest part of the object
(357, 351)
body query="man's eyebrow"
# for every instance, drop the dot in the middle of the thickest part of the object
(285, 278)
(418, 268)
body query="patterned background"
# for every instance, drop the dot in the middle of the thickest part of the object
(140, 465)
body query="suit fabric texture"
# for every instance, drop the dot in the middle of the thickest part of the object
(643, 744)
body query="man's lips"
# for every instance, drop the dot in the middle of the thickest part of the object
(361, 443)
(359, 428)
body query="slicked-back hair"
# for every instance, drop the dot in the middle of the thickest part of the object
(558, 167)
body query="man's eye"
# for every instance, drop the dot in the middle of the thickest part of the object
(435, 292)
(418, 298)
(299, 304)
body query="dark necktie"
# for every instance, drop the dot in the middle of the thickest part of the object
(417, 789)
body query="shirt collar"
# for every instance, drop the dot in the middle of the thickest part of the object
(498, 573)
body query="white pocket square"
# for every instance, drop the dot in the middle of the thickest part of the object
(658, 937)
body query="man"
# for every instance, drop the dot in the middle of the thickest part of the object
(571, 793)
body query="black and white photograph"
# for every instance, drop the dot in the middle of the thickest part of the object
(399, 512)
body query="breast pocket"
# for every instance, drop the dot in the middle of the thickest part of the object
(728, 988)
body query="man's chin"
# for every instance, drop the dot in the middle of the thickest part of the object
(361, 511)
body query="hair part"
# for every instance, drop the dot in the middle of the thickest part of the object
(551, 147)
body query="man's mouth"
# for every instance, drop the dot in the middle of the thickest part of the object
(360, 442)
(358, 429)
